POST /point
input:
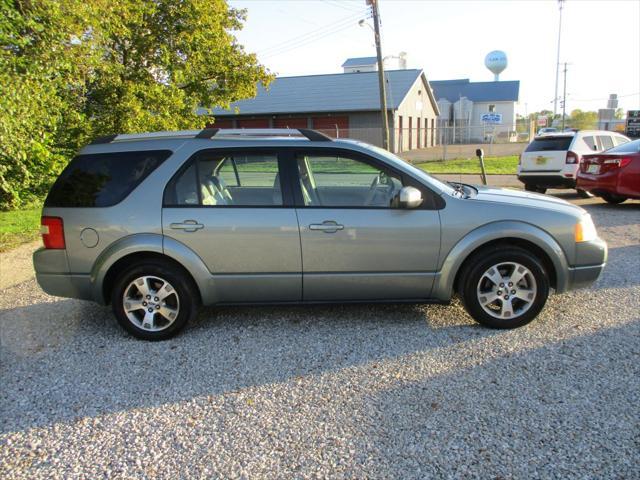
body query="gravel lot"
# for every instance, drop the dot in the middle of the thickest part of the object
(358, 391)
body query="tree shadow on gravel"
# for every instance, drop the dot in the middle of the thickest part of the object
(563, 410)
(69, 359)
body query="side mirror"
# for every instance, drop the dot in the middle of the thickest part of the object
(410, 197)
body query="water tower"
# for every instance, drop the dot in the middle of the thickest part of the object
(496, 62)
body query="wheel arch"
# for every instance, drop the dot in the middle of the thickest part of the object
(136, 248)
(520, 234)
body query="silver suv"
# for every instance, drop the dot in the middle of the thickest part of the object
(159, 223)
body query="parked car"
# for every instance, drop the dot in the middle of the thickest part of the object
(546, 130)
(614, 174)
(157, 224)
(552, 160)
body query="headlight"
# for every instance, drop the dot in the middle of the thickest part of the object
(585, 230)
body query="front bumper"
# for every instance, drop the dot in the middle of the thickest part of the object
(591, 258)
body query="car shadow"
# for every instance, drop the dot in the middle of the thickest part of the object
(68, 359)
(546, 404)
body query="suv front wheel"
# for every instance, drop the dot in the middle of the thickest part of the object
(504, 288)
(153, 301)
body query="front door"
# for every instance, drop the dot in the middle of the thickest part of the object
(356, 244)
(230, 209)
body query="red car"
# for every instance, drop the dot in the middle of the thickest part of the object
(613, 174)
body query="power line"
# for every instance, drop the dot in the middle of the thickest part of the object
(341, 5)
(309, 37)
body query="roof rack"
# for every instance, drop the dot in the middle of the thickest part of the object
(210, 133)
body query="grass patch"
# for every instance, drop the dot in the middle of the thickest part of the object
(493, 166)
(19, 226)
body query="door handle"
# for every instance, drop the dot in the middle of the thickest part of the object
(328, 226)
(187, 226)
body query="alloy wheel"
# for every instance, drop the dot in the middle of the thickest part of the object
(151, 303)
(506, 290)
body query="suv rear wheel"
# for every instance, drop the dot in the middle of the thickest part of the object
(504, 288)
(153, 301)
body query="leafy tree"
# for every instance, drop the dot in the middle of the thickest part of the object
(72, 70)
(583, 120)
(619, 113)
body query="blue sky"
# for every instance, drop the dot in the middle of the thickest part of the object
(450, 38)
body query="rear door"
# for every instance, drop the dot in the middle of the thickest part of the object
(355, 244)
(230, 208)
(546, 155)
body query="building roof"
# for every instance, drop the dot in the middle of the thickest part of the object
(360, 61)
(339, 92)
(452, 90)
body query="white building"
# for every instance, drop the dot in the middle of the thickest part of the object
(476, 109)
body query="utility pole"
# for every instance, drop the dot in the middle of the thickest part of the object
(564, 94)
(555, 97)
(383, 93)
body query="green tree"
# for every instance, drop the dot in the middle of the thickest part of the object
(583, 120)
(619, 113)
(72, 70)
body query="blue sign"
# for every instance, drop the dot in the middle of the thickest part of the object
(491, 118)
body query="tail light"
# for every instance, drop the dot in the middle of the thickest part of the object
(572, 157)
(52, 230)
(617, 162)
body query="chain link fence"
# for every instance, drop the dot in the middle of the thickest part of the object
(442, 143)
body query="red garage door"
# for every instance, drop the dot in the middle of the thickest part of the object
(290, 123)
(253, 123)
(332, 126)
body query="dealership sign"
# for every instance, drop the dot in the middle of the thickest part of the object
(491, 118)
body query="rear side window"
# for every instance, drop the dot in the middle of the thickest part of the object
(606, 141)
(549, 143)
(103, 179)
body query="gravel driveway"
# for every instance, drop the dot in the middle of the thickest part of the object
(353, 391)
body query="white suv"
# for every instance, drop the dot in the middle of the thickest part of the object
(552, 160)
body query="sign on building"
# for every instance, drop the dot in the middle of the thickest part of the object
(495, 118)
(542, 121)
(633, 124)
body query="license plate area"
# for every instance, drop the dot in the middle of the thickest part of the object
(541, 160)
(593, 168)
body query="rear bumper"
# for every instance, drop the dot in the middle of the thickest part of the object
(66, 285)
(52, 274)
(547, 181)
(599, 184)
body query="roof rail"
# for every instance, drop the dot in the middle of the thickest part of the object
(210, 133)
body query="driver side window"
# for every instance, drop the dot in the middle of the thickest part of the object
(337, 181)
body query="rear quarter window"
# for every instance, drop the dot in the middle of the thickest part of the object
(549, 143)
(103, 179)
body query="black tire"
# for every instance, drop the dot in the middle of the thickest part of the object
(475, 268)
(613, 199)
(584, 193)
(183, 290)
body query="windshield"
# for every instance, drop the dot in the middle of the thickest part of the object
(394, 159)
(629, 147)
